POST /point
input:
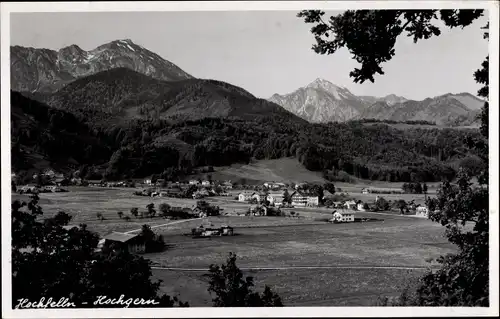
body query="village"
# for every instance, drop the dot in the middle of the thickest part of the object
(299, 201)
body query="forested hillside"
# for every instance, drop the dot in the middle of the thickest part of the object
(43, 136)
(121, 124)
(115, 96)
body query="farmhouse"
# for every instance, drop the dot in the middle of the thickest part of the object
(49, 173)
(193, 182)
(422, 211)
(373, 190)
(244, 196)
(76, 181)
(274, 185)
(275, 198)
(299, 199)
(52, 188)
(132, 243)
(259, 197)
(258, 210)
(206, 183)
(312, 201)
(342, 217)
(299, 185)
(29, 189)
(159, 182)
(227, 185)
(350, 204)
(200, 194)
(360, 206)
(147, 181)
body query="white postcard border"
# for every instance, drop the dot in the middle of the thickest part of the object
(7, 8)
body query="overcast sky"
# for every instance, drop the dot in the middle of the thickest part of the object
(265, 52)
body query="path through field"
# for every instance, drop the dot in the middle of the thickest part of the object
(301, 267)
(167, 224)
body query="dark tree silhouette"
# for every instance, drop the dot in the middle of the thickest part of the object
(232, 289)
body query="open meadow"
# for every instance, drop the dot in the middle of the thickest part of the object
(340, 264)
(307, 261)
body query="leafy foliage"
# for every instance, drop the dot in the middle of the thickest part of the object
(153, 242)
(49, 260)
(370, 35)
(231, 289)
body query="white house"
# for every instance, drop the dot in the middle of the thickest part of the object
(193, 182)
(227, 185)
(350, 204)
(49, 173)
(365, 191)
(273, 185)
(205, 183)
(147, 181)
(422, 211)
(312, 201)
(275, 198)
(342, 217)
(297, 186)
(245, 196)
(299, 199)
(360, 207)
(259, 197)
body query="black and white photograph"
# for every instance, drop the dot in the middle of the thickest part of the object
(211, 159)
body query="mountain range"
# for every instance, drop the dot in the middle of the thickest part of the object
(121, 94)
(122, 80)
(322, 101)
(45, 70)
(122, 111)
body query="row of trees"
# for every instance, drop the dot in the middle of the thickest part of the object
(415, 188)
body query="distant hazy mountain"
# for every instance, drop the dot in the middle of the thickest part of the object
(448, 109)
(390, 99)
(323, 101)
(117, 95)
(45, 70)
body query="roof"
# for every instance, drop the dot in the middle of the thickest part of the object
(350, 202)
(121, 237)
(68, 227)
(276, 193)
(259, 193)
(246, 193)
(304, 194)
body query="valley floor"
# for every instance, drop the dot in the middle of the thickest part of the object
(306, 260)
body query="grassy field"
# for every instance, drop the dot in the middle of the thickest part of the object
(289, 244)
(292, 244)
(285, 170)
(404, 126)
